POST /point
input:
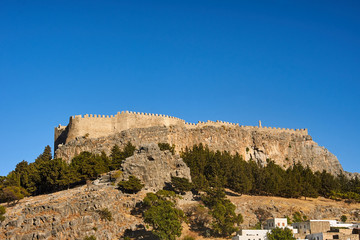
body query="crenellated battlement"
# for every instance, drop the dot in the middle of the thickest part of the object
(119, 114)
(95, 125)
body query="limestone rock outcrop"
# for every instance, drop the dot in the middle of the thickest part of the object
(154, 167)
(72, 214)
(284, 147)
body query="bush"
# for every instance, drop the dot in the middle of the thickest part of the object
(188, 238)
(133, 185)
(162, 214)
(223, 212)
(92, 237)
(280, 234)
(181, 184)
(2, 212)
(297, 217)
(199, 217)
(166, 146)
(105, 214)
(12, 194)
(343, 218)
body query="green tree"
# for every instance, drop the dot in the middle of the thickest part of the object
(128, 150)
(133, 185)
(166, 146)
(27, 175)
(223, 212)
(162, 215)
(343, 218)
(88, 165)
(116, 157)
(45, 156)
(280, 234)
(12, 194)
(2, 212)
(181, 184)
(54, 175)
(298, 217)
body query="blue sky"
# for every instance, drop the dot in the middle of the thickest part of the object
(292, 64)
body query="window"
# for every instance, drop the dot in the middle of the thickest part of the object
(283, 224)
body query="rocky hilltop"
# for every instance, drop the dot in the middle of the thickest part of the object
(75, 213)
(284, 146)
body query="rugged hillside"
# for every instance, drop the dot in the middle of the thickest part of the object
(71, 214)
(74, 213)
(319, 208)
(284, 147)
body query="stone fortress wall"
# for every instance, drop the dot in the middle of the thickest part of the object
(95, 126)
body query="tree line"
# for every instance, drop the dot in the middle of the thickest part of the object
(221, 169)
(46, 175)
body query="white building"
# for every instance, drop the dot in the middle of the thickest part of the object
(247, 234)
(275, 222)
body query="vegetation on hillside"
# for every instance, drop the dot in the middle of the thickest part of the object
(47, 175)
(209, 169)
(225, 220)
(166, 146)
(221, 169)
(162, 215)
(280, 234)
(181, 185)
(2, 212)
(133, 185)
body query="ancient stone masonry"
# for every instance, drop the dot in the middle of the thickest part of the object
(285, 146)
(94, 126)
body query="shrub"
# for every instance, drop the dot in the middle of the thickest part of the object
(133, 185)
(2, 212)
(181, 184)
(343, 218)
(188, 238)
(166, 146)
(162, 214)
(280, 234)
(105, 214)
(92, 237)
(222, 211)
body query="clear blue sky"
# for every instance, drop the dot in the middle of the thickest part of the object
(292, 64)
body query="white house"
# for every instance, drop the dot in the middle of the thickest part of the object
(248, 234)
(275, 222)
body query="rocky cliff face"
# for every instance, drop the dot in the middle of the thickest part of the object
(154, 167)
(284, 148)
(71, 214)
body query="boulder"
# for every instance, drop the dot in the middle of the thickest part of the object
(154, 167)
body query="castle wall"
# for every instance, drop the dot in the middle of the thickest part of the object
(95, 126)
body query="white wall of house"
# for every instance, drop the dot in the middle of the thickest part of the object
(275, 222)
(248, 234)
